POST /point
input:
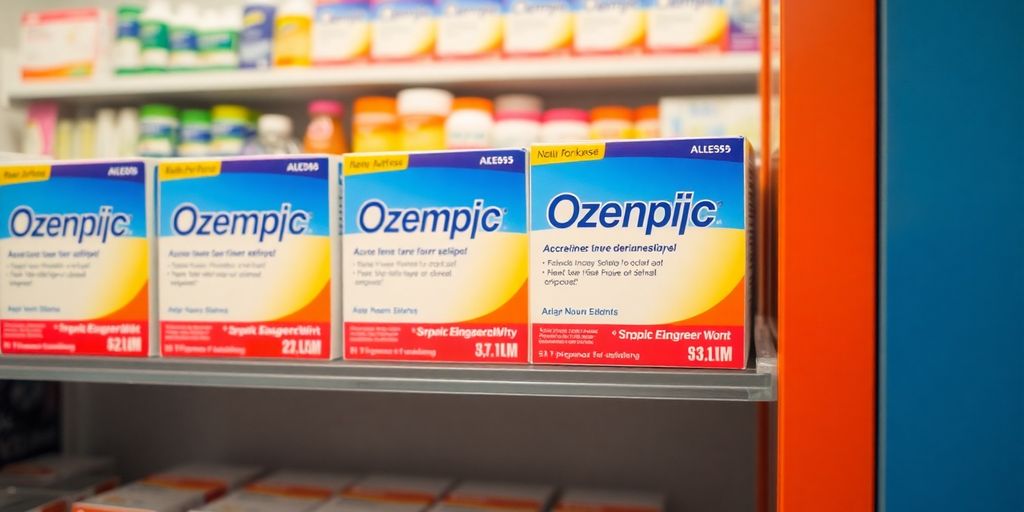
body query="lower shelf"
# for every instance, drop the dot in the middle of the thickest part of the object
(754, 384)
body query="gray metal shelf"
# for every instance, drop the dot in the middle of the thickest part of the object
(754, 384)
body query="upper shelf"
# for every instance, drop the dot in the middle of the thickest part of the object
(753, 384)
(728, 72)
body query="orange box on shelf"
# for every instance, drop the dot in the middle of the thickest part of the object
(64, 43)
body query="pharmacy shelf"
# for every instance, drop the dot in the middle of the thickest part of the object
(728, 72)
(754, 384)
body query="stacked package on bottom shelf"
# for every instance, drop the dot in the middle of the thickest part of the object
(51, 483)
(175, 490)
(21, 500)
(478, 496)
(77, 258)
(249, 257)
(282, 491)
(600, 500)
(389, 493)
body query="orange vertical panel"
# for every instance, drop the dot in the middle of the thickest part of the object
(827, 240)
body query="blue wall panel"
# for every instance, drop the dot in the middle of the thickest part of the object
(951, 368)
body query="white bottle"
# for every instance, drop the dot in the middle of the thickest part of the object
(220, 28)
(127, 132)
(83, 138)
(184, 38)
(106, 133)
(470, 124)
(154, 34)
(274, 137)
(519, 103)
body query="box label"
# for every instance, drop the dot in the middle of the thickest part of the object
(640, 258)
(245, 258)
(74, 259)
(435, 257)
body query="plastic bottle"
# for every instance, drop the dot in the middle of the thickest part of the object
(184, 38)
(611, 122)
(159, 128)
(62, 146)
(375, 124)
(218, 38)
(230, 127)
(565, 125)
(519, 103)
(127, 46)
(154, 36)
(64, 142)
(255, 45)
(127, 132)
(421, 114)
(274, 137)
(516, 128)
(40, 128)
(84, 145)
(293, 30)
(325, 133)
(470, 124)
(648, 123)
(106, 133)
(195, 135)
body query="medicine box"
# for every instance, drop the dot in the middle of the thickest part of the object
(249, 252)
(77, 258)
(598, 500)
(402, 29)
(398, 489)
(341, 31)
(468, 28)
(687, 25)
(537, 27)
(64, 43)
(642, 253)
(283, 491)
(143, 497)
(177, 489)
(711, 116)
(343, 504)
(52, 469)
(23, 500)
(608, 26)
(744, 25)
(435, 256)
(485, 496)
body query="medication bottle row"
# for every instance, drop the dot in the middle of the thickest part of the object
(424, 119)
(247, 488)
(258, 34)
(623, 253)
(417, 119)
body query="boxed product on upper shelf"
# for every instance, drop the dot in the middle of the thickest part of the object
(180, 36)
